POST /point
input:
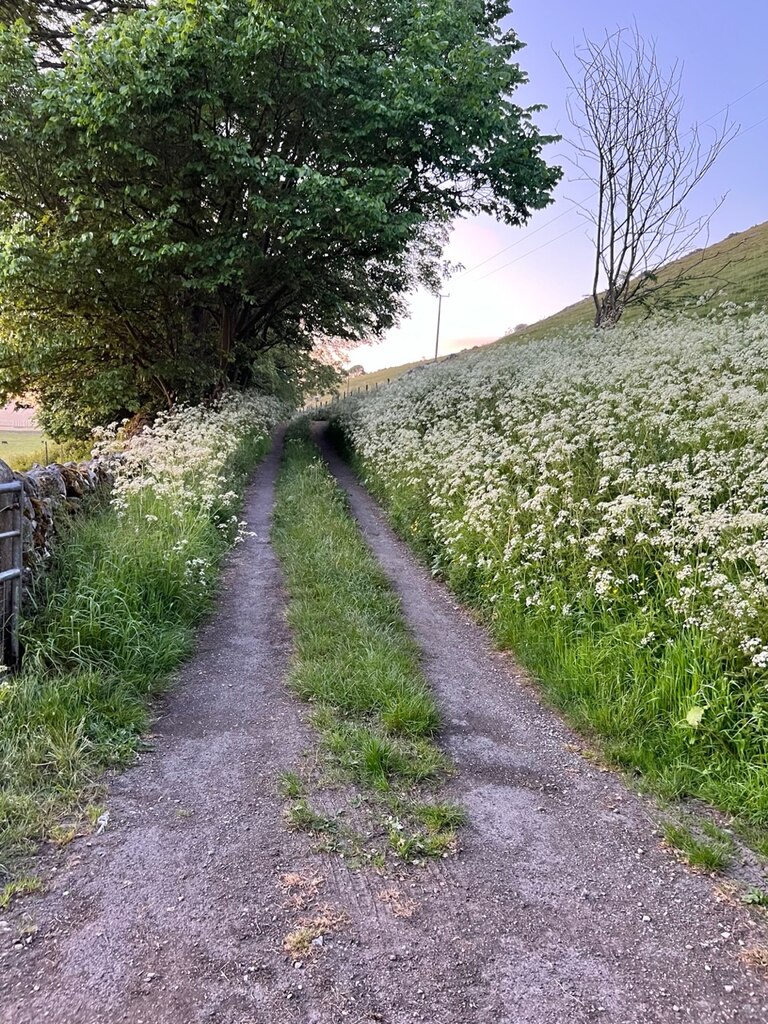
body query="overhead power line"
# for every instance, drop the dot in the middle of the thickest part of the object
(575, 206)
(525, 255)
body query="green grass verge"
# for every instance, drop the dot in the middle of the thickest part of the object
(355, 660)
(115, 614)
(614, 691)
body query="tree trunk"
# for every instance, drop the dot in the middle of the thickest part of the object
(226, 336)
(609, 311)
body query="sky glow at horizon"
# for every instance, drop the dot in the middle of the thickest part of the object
(548, 264)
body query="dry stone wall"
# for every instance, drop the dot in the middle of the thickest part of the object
(50, 494)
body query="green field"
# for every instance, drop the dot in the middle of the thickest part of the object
(19, 448)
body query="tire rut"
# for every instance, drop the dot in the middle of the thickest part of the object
(562, 906)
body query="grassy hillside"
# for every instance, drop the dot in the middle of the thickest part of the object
(738, 265)
(378, 378)
(366, 382)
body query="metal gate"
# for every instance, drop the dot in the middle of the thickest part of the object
(11, 511)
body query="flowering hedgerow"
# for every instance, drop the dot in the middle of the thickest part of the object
(186, 454)
(604, 496)
(185, 471)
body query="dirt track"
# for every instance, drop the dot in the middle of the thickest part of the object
(561, 907)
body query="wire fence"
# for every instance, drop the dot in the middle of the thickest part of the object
(348, 388)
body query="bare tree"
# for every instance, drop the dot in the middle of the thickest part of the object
(631, 144)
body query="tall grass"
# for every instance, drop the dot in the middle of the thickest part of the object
(129, 582)
(602, 499)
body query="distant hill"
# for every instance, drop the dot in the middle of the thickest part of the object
(737, 266)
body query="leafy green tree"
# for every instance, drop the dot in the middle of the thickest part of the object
(203, 182)
(50, 24)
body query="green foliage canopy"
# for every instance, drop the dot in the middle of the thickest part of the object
(50, 24)
(202, 183)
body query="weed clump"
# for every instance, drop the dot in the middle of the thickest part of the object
(709, 854)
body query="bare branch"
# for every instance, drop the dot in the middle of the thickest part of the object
(630, 143)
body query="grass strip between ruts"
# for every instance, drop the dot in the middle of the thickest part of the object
(356, 662)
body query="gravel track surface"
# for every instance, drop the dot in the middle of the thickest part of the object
(560, 908)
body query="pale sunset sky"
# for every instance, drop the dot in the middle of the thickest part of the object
(528, 273)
